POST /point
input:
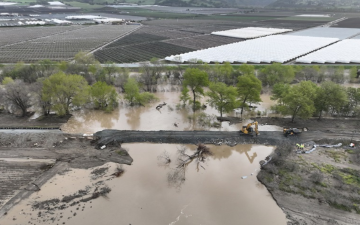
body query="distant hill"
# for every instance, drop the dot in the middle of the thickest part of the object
(316, 3)
(215, 3)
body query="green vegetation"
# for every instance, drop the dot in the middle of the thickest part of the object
(103, 96)
(195, 80)
(62, 91)
(249, 89)
(133, 95)
(298, 100)
(222, 97)
(339, 187)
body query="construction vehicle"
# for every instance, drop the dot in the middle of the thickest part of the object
(249, 130)
(291, 131)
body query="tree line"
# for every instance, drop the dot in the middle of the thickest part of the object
(300, 91)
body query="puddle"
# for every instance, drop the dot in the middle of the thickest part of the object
(215, 194)
(148, 118)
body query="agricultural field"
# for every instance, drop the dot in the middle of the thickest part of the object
(276, 48)
(162, 38)
(331, 32)
(55, 43)
(346, 51)
(349, 23)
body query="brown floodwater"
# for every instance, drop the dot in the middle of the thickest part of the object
(148, 118)
(211, 195)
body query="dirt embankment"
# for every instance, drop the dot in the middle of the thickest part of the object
(28, 159)
(51, 121)
(321, 187)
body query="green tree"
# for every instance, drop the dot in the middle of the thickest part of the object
(7, 80)
(195, 80)
(276, 73)
(133, 95)
(330, 97)
(222, 97)
(246, 69)
(337, 74)
(299, 101)
(132, 91)
(279, 91)
(64, 91)
(220, 72)
(249, 89)
(185, 97)
(103, 96)
(351, 108)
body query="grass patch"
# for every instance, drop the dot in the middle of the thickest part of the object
(350, 176)
(335, 155)
(326, 168)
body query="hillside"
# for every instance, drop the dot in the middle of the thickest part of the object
(316, 3)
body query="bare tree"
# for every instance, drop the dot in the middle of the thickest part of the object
(17, 97)
(176, 177)
(151, 72)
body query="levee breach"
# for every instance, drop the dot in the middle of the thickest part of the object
(106, 137)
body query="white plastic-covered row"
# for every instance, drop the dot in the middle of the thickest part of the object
(330, 32)
(277, 48)
(346, 51)
(250, 32)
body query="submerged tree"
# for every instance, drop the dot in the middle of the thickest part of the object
(133, 95)
(103, 96)
(298, 101)
(195, 80)
(330, 97)
(176, 176)
(249, 89)
(222, 97)
(64, 91)
(276, 73)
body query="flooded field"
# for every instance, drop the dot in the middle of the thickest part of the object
(212, 194)
(148, 118)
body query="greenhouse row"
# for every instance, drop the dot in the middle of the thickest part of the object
(276, 48)
(330, 32)
(250, 32)
(346, 51)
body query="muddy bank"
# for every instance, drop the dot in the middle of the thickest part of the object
(12, 121)
(330, 125)
(29, 159)
(317, 188)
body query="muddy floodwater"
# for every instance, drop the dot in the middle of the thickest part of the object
(223, 190)
(148, 118)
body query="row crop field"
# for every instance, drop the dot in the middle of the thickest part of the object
(61, 45)
(175, 37)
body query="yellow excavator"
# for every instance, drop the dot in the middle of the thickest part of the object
(250, 130)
